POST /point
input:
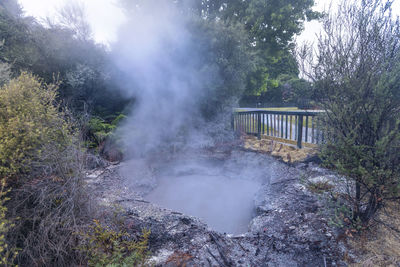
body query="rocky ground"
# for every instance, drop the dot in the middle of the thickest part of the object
(289, 227)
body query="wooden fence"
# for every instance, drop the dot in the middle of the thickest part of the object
(293, 126)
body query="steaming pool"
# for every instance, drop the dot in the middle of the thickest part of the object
(225, 204)
(219, 192)
(235, 192)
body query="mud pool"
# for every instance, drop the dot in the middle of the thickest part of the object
(221, 193)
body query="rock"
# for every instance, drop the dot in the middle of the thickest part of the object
(93, 162)
(326, 179)
(328, 234)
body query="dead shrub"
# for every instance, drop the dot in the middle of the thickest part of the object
(49, 209)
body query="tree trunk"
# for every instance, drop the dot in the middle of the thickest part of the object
(357, 204)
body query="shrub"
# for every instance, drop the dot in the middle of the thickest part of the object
(357, 79)
(99, 130)
(103, 137)
(41, 159)
(29, 121)
(108, 247)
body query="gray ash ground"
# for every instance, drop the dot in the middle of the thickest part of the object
(286, 225)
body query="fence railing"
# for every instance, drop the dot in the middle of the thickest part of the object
(295, 126)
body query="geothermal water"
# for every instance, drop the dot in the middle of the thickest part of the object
(220, 193)
(226, 205)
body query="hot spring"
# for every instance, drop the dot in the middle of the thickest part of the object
(219, 192)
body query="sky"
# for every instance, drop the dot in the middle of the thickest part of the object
(312, 28)
(105, 17)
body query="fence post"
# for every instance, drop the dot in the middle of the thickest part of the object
(299, 131)
(259, 125)
(233, 121)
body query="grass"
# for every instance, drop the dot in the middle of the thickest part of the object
(319, 187)
(380, 244)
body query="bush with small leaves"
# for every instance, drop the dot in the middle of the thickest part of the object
(29, 121)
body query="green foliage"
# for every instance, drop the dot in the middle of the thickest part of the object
(107, 247)
(357, 81)
(28, 121)
(100, 130)
(271, 25)
(341, 216)
(15, 37)
(103, 137)
(296, 91)
(118, 119)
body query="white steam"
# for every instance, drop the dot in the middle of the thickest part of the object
(162, 66)
(168, 70)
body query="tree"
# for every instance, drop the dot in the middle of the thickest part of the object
(12, 7)
(73, 16)
(356, 74)
(271, 25)
(17, 46)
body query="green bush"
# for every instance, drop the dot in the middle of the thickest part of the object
(29, 120)
(99, 130)
(101, 135)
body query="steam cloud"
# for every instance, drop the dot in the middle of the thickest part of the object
(168, 71)
(163, 70)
